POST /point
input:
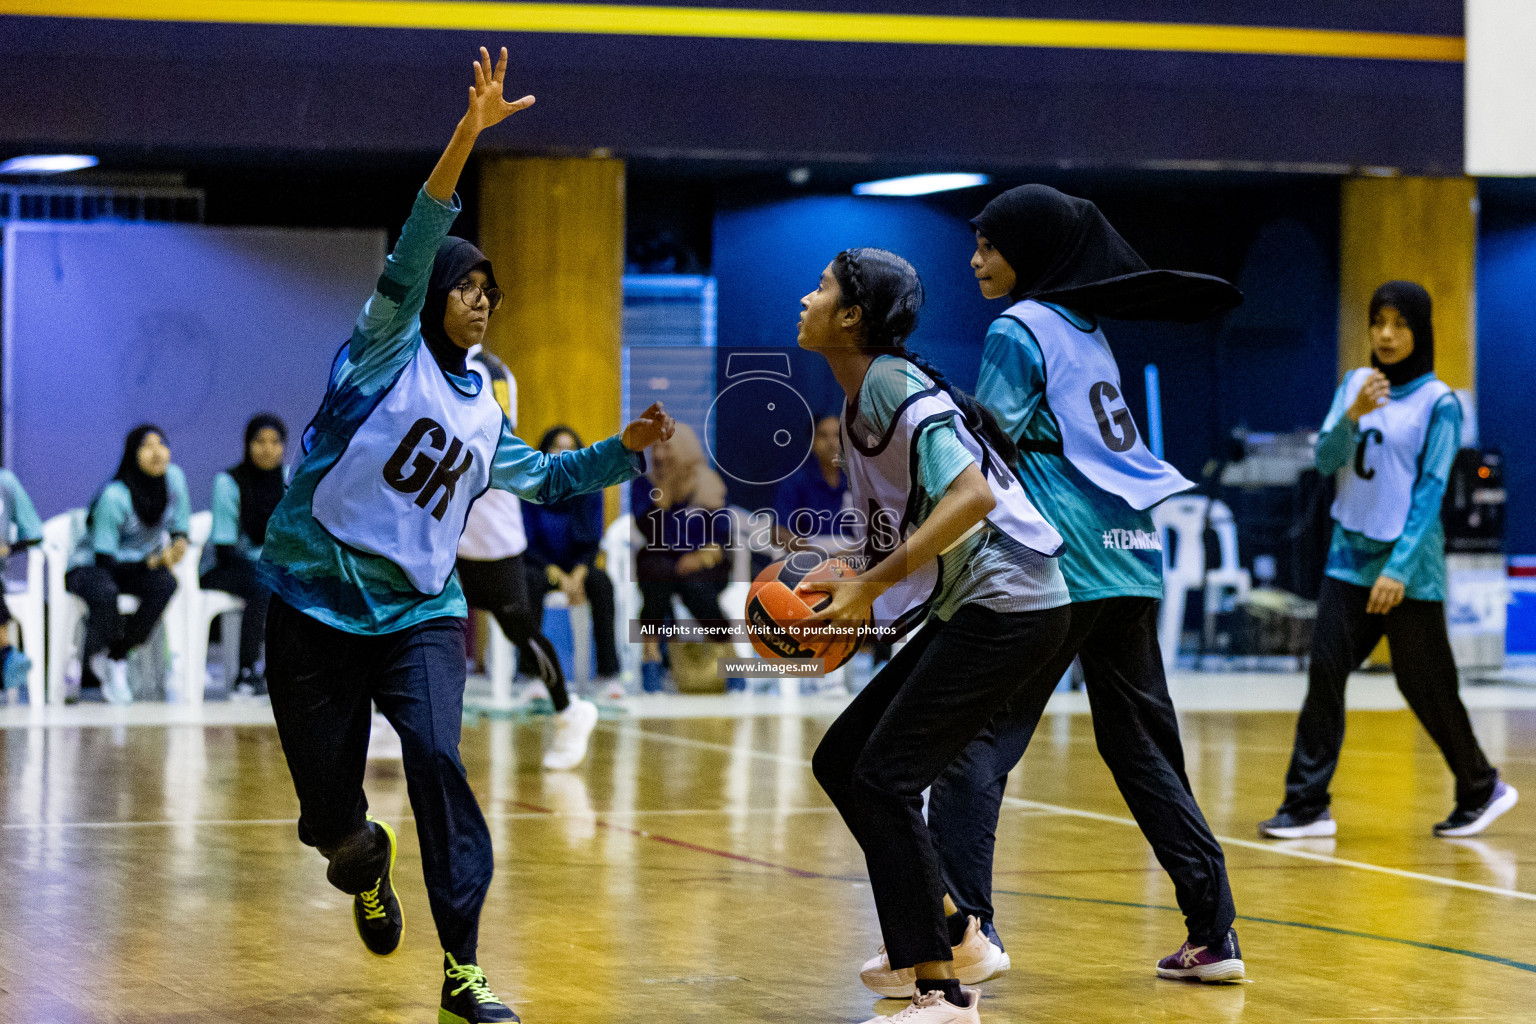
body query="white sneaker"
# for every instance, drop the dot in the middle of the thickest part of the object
(573, 727)
(113, 676)
(976, 960)
(1286, 826)
(933, 1008)
(1471, 821)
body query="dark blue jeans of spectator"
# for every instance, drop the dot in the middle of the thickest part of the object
(323, 683)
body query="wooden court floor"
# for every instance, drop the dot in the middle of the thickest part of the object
(693, 872)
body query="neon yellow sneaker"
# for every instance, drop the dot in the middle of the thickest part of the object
(467, 999)
(377, 912)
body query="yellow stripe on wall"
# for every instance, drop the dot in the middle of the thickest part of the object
(725, 23)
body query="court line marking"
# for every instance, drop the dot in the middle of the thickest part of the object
(1489, 957)
(538, 811)
(1284, 851)
(684, 844)
(758, 23)
(1074, 812)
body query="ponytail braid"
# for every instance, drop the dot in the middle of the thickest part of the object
(977, 416)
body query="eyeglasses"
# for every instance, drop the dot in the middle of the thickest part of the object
(470, 293)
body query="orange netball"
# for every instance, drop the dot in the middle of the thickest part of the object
(773, 606)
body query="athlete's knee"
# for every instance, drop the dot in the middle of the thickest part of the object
(515, 622)
(357, 860)
(832, 770)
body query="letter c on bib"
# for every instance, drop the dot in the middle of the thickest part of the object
(421, 466)
(1366, 437)
(1099, 396)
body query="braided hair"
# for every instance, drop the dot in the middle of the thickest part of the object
(888, 291)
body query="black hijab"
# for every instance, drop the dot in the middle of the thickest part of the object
(147, 492)
(454, 260)
(1062, 250)
(1414, 303)
(260, 489)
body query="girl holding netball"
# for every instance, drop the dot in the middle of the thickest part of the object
(1391, 435)
(971, 563)
(360, 556)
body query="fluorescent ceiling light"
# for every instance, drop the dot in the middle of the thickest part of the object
(919, 184)
(48, 163)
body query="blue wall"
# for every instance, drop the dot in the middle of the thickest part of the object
(1506, 346)
(1268, 366)
(767, 256)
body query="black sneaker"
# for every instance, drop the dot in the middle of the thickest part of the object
(467, 999)
(376, 912)
(1469, 821)
(1286, 825)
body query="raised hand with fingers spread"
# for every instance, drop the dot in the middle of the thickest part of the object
(487, 107)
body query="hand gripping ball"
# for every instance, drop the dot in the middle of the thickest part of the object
(773, 605)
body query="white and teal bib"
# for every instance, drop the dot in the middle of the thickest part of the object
(884, 483)
(1376, 488)
(404, 485)
(1098, 434)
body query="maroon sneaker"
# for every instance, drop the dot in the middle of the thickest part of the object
(1205, 963)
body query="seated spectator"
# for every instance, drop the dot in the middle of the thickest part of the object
(18, 515)
(564, 542)
(808, 501)
(243, 499)
(679, 509)
(135, 532)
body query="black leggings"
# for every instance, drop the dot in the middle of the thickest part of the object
(898, 735)
(324, 684)
(1426, 674)
(99, 586)
(238, 577)
(1138, 738)
(501, 588)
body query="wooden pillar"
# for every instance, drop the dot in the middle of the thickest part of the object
(1412, 229)
(553, 228)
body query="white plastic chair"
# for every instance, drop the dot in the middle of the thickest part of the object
(65, 610)
(1182, 523)
(618, 546)
(27, 605)
(201, 608)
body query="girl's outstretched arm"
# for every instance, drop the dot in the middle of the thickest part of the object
(486, 108)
